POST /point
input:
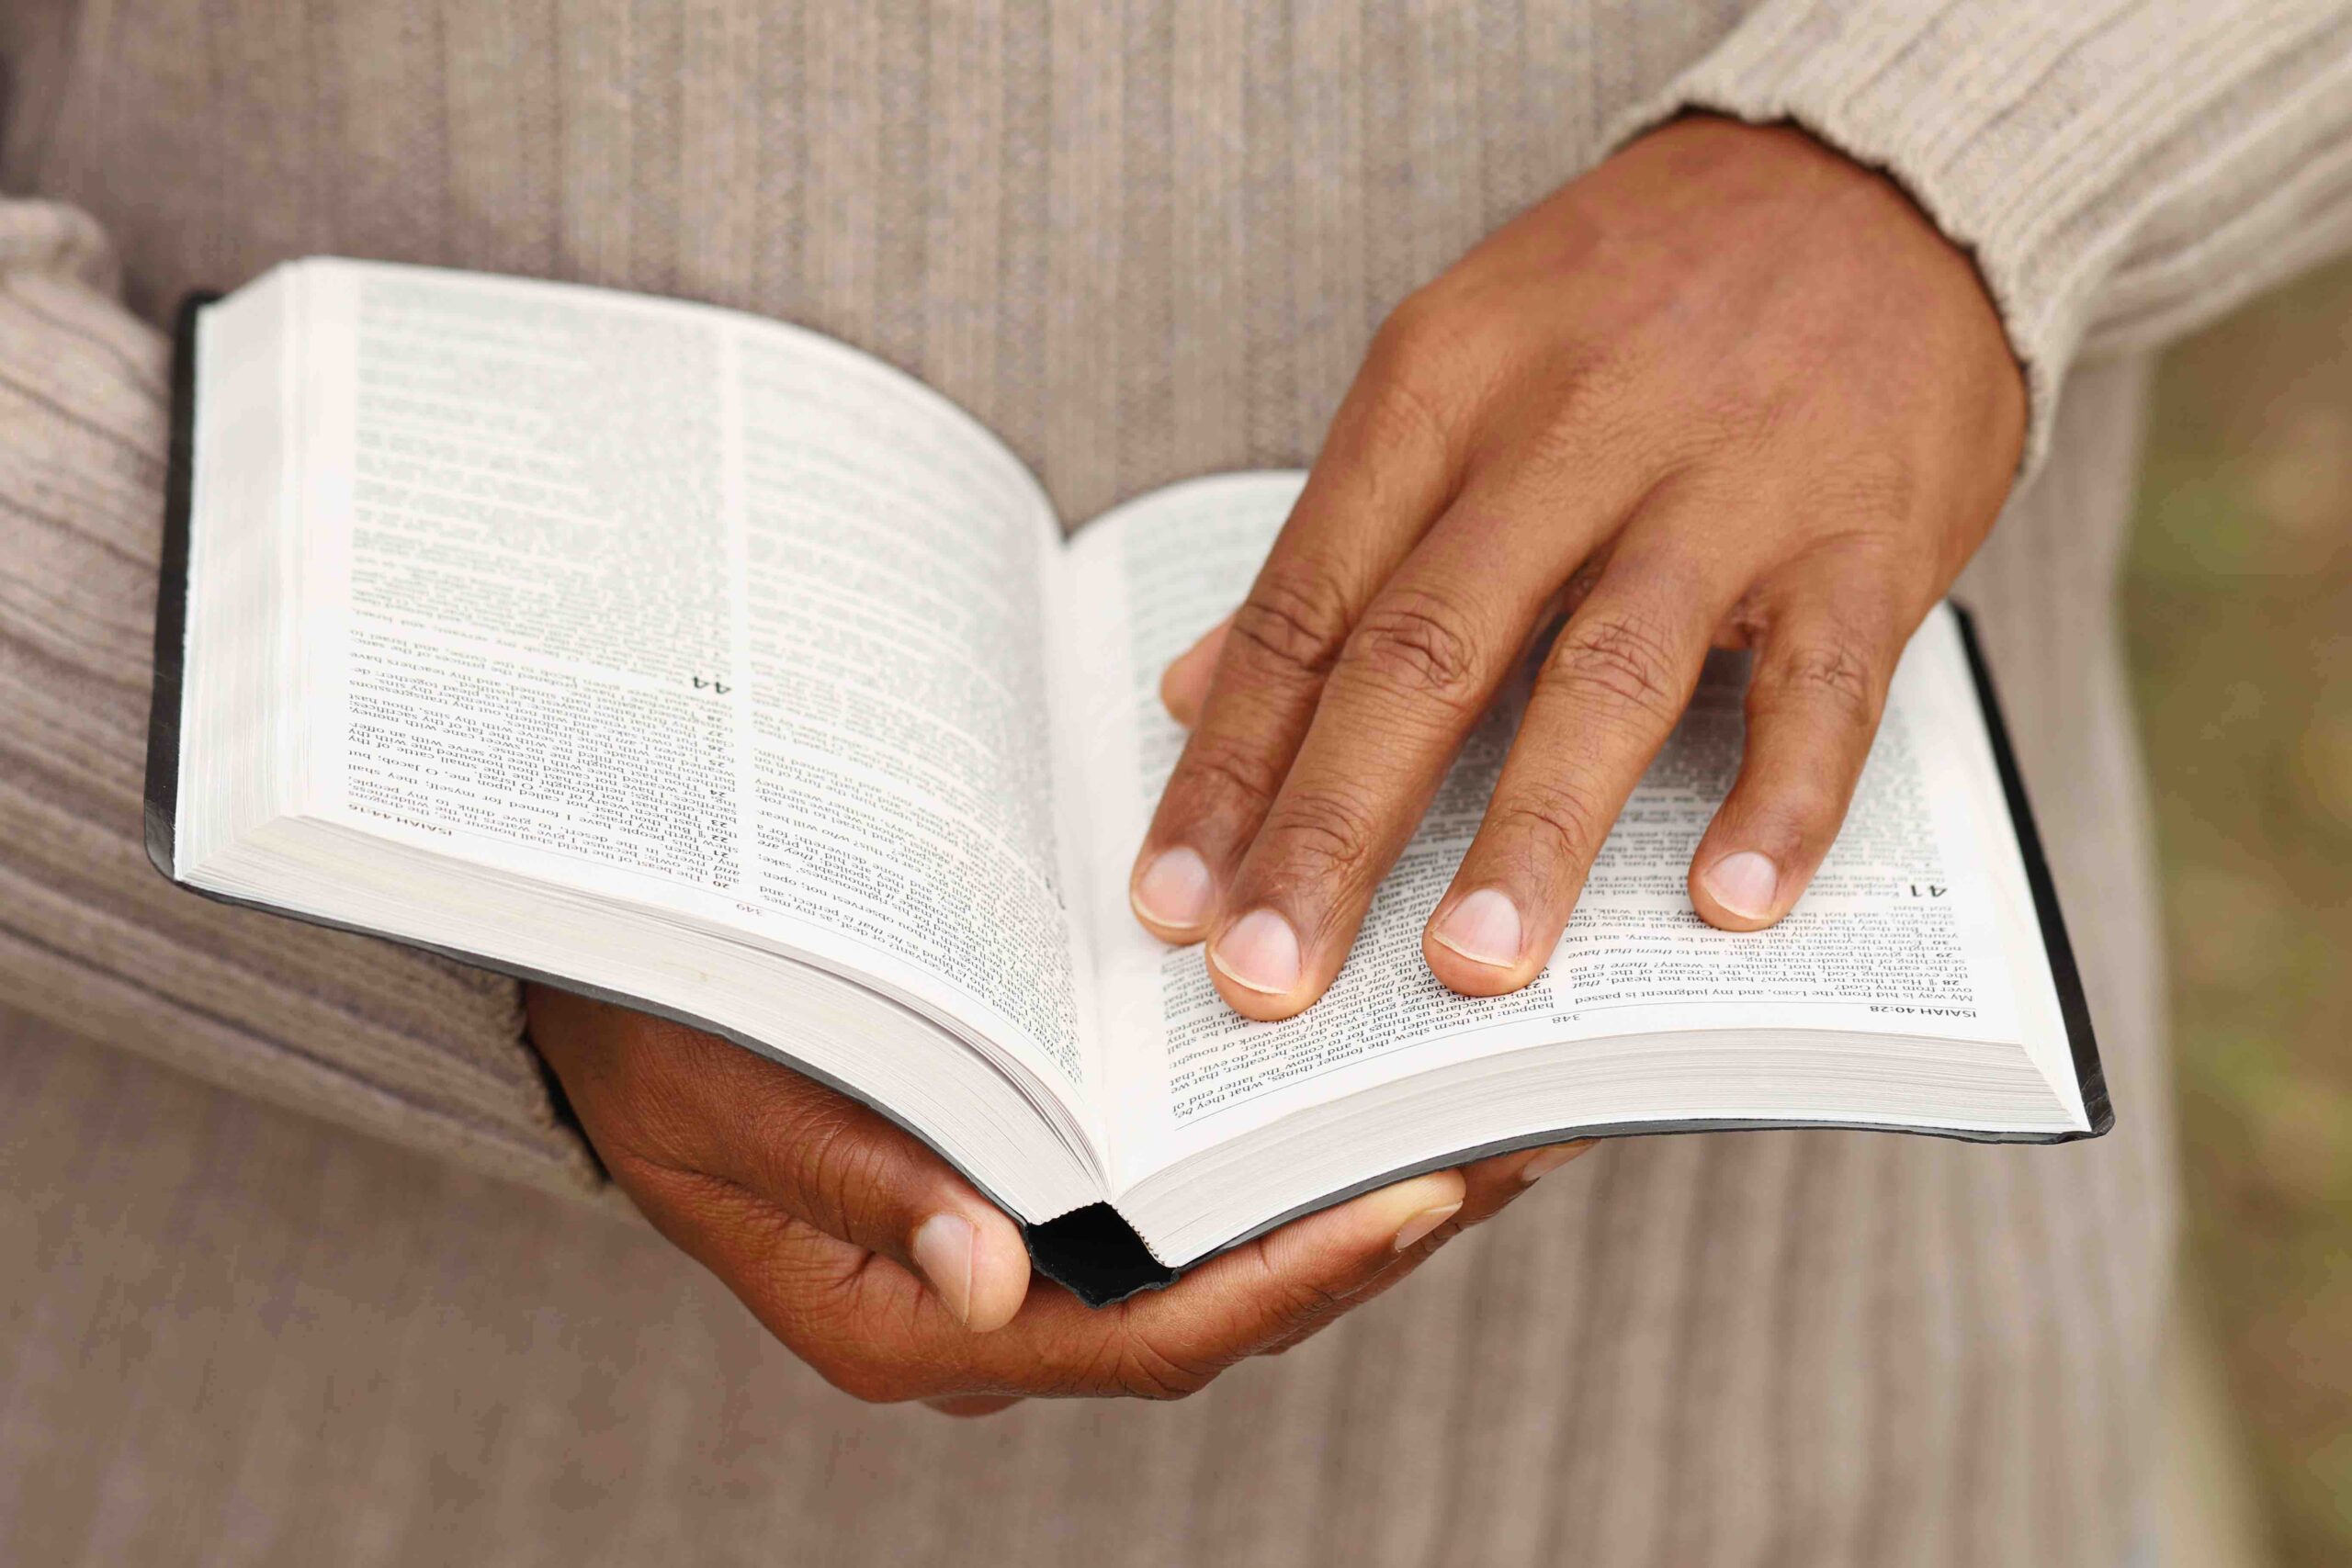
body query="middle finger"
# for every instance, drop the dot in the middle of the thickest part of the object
(1421, 666)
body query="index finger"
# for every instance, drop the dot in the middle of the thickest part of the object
(1383, 472)
(1423, 665)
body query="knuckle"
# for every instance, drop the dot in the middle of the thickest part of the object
(1742, 408)
(1873, 488)
(1325, 835)
(690, 1207)
(865, 1376)
(1296, 1338)
(820, 1162)
(1419, 642)
(1420, 330)
(1309, 1305)
(1301, 1305)
(1602, 367)
(1565, 821)
(1620, 661)
(1595, 383)
(1233, 773)
(646, 1102)
(1145, 1371)
(1402, 413)
(1415, 372)
(1292, 625)
(855, 1181)
(1804, 809)
(852, 1328)
(1830, 673)
(656, 1124)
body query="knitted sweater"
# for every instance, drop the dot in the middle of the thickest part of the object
(1141, 242)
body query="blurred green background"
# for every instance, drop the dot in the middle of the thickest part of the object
(2238, 599)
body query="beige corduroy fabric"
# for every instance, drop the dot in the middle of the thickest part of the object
(1141, 242)
(386, 1040)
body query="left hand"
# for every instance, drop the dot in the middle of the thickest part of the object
(1728, 389)
(875, 1262)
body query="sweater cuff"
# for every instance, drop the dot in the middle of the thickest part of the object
(2041, 139)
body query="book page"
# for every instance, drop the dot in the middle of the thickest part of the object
(1911, 926)
(680, 606)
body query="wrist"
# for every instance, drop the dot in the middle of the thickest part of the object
(1793, 196)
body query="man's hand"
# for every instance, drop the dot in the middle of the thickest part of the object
(880, 1266)
(1726, 389)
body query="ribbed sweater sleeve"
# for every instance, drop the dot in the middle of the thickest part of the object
(386, 1039)
(2122, 169)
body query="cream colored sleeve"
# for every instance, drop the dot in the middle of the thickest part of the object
(2121, 172)
(380, 1038)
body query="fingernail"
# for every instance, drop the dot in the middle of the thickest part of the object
(942, 1250)
(1260, 951)
(1418, 1227)
(1744, 884)
(1406, 1210)
(1174, 889)
(1484, 928)
(1546, 1161)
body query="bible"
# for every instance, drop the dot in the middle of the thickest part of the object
(708, 665)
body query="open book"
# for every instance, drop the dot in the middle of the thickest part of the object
(703, 663)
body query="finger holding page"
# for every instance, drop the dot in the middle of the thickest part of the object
(1490, 1185)
(870, 1329)
(1274, 1290)
(1269, 1294)
(1289, 1282)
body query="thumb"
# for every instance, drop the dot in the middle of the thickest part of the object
(853, 1174)
(663, 1098)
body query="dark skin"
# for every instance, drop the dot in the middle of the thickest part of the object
(1728, 389)
(812, 1209)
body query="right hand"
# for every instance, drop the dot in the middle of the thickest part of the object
(880, 1266)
